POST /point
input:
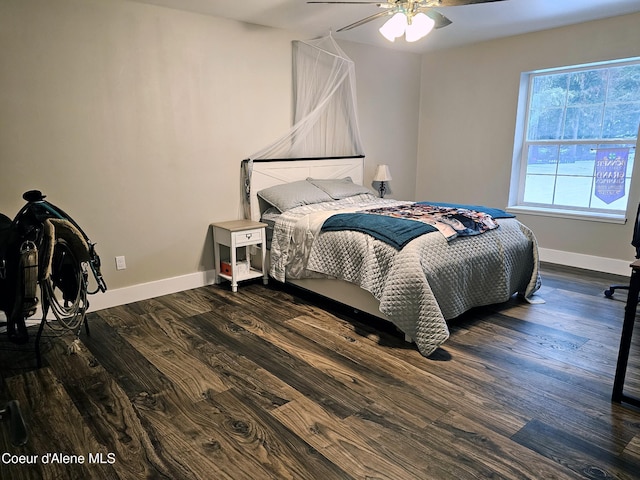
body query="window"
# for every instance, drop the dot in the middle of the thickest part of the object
(576, 140)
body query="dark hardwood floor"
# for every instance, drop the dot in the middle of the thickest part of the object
(270, 383)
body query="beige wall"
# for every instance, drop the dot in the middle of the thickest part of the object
(388, 85)
(134, 119)
(468, 110)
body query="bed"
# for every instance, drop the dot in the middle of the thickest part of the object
(417, 285)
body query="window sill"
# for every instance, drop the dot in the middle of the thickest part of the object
(572, 214)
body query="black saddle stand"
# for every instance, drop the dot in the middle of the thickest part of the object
(17, 427)
(7, 345)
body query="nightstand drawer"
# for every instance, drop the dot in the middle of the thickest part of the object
(248, 237)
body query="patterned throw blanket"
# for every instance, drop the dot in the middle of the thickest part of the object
(398, 225)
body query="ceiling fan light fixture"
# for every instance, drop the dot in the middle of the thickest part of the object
(419, 27)
(394, 27)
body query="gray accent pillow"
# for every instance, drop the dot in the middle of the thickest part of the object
(294, 194)
(339, 188)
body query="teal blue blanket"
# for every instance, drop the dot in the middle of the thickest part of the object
(397, 232)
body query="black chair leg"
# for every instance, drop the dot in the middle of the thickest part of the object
(611, 290)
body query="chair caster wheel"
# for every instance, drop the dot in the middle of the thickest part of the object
(608, 293)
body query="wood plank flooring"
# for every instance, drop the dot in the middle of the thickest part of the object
(273, 383)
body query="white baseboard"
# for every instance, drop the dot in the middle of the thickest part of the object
(587, 262)
(135, 293)
(121, 296)
(144, 291)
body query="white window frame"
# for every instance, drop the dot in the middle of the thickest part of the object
(521, 147)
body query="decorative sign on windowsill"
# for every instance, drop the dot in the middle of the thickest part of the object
(611, 173)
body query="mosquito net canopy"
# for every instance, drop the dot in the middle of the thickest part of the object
(325, 122)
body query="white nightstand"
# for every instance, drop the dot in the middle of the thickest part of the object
(234, 234)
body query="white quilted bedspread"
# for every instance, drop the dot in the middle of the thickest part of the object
(429, 281)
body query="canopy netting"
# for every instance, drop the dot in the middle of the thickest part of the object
(325, 122)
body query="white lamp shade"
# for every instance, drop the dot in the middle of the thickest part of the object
(383, 174)
(420, 26)
(394, 27)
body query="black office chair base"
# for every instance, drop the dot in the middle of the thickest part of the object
(610, 291)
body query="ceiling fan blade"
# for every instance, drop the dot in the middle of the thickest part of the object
(441, 20)
(460, 3)
(365, 20)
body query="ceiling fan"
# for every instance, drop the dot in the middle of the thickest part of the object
(413, 18)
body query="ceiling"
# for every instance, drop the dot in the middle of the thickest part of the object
(471, 23)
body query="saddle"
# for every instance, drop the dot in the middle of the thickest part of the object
(43, 247)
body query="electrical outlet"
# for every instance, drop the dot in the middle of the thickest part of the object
(120, 263)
